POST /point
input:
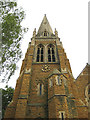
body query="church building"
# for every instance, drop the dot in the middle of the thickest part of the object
(46, 87)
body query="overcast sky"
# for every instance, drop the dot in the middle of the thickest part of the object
(70, 18)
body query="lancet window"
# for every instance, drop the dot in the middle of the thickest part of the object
(40, 55)
(58, 80)
(40, 90)
(51, 53)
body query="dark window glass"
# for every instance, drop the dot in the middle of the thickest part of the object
(38, 51)
(48, 50)
(41, 58)
(40, 89)
(40, 45)
(45, 33)
(53, 58)
(52, 51)
(50, 45)
(49, 58)
(62, 117)
(41, 50)
(37, 58)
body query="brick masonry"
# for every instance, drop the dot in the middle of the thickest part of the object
(70, 97)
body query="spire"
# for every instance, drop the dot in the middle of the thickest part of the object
(45, 26)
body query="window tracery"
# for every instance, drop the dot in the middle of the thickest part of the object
(51, 53)
(45, 33)
(40, 55)
(45, 53)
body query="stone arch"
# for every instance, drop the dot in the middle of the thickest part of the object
(87, 93)
(51, 44)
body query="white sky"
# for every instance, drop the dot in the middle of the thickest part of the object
(70, 18)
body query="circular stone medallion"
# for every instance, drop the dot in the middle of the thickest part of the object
(45, 68)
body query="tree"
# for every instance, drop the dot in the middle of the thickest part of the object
(7, 95)
(11, 34)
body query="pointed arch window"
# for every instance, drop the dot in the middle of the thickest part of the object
(58, 80)
(40, 55)
(51, 53)
(40, 89)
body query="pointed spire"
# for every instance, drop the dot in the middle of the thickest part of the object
(45, 26)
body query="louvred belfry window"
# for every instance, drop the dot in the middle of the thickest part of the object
(51, 53)
(40, 55)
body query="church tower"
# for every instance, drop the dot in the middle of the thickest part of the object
(45, 87)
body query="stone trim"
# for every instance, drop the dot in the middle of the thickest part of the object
(23, 96)
(37, 104)
(30, 55)
(54, 96)
(82, 106)
(11, 107)
(44, 38)
(27, 71)
(45, 63)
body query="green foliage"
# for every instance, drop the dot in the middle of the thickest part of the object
(7, 95)
(12, 33)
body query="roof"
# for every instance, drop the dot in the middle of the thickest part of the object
(55, 72)
(45, 26)
(86, 68)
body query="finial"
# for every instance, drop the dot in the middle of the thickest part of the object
(45, 15)
(34, 32)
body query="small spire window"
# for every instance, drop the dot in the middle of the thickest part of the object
(45, 33)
